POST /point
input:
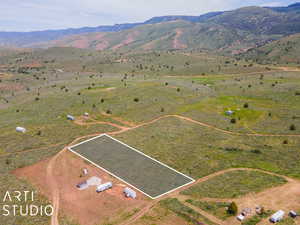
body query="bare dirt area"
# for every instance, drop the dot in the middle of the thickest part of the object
(4, 75)
(285, 197)
(86, 206)
(11, 87)
(129, 39)
(290, 69)
(176, 42)
(103, 43)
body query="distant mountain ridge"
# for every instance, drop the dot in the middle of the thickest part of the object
(22, 39)
(245, 27)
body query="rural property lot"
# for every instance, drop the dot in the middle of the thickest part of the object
(131, 166)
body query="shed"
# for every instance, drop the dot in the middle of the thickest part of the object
(240, 217)
(94, 181)
(82, 185)
(86, 114)
(278, 216)
(104, 187)
(21, 129)
(85, 171)
(229, 112)
(69, 117)
(129, 193)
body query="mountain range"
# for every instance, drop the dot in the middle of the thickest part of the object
(233, 31)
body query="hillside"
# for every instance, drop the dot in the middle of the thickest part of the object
(24, 39)
(260, 20)
(285, 50)
(242, 28)
(167, 36)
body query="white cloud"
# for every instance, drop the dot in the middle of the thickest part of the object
(272, 4)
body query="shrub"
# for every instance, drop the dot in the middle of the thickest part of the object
(7, 161)
(256, 151)
(136, 99)
(292, 127)
(246, 105)
(232, 208)
(233, 120)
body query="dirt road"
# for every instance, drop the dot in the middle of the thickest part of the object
(124, 128)
(54, 188)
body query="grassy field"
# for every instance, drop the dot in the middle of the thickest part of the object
(139, 87)
(287, 221)
(218, 209)
(198, 151)
(130, 166)
(184, 211)
(234, 184)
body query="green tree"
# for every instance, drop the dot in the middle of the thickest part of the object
(292, 127)
(232, 208)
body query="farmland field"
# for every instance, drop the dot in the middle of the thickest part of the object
(130, 166)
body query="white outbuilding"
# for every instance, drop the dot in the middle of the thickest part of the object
(229, 112)
(240, 217)
(104, 187)
(85, 171)
(129, 193)
(21, 130)
(278, 216)
(82, 186)
(69, 117)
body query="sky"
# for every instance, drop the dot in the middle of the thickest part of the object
(29, 15)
